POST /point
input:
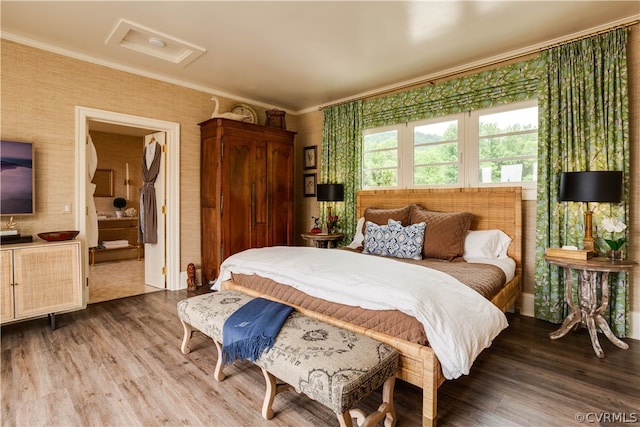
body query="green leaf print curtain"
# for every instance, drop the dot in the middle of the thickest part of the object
(504, 85)
(341, 161)
(584, 126)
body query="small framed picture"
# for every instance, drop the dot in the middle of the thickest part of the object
(310, 154)
(309, 185)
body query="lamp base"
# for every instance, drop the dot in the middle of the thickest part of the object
(588, 244)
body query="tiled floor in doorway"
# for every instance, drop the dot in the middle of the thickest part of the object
(117, 279)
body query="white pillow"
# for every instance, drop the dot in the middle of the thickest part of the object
(486, 244)
(358, 239)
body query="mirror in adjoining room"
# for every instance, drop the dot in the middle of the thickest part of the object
(103, 179)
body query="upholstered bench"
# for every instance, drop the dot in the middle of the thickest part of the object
(328, 364)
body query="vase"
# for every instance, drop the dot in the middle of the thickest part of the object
(614, 254)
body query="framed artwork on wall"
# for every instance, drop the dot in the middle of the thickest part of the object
(309, 185)
(310, 154)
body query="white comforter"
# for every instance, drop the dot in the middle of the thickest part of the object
(459, 322)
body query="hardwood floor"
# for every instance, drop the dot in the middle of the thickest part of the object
(118, 363)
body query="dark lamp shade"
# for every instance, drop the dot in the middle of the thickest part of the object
(330, 192)
(596, 186)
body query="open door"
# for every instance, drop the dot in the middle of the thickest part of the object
(155, 254)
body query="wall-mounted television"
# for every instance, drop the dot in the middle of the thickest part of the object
(17, 195)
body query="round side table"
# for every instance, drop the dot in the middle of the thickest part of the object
(588, 312)
(321, 240)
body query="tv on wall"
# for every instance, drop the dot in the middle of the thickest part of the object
(16, 178)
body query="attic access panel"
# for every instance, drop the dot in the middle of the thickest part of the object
(154, 43)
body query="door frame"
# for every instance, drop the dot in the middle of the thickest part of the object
(172, 217)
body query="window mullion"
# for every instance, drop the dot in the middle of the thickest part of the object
(472, 150)
(406, 156)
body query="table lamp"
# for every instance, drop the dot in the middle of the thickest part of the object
(330, 193)
(594, 186)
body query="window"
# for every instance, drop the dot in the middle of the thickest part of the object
(435, 153)
(380, 154)
(490, 147)
(508, 146)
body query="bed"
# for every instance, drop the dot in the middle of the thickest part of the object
(492, 208)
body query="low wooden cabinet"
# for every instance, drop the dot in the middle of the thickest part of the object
(39, 279)
(125, 228)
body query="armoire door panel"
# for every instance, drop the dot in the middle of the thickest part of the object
(280, 228)
(208, 168)
(237, 190)
(260, 198)
(210, 244)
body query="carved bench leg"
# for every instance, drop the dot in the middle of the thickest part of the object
(385, 411)
(345, 418)
(218, 374)
(269, 395)
(387, 399)
(272, 389)
(188, 332)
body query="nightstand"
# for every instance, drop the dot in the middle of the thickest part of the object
(321, 240)
(588, 312)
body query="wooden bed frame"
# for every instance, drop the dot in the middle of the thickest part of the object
(493, 208)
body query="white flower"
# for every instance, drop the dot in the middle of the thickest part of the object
(613, 225)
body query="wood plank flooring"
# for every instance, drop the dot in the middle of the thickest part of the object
(118, 363)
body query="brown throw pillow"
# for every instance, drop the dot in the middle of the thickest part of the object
(445, 233)
(382, 216)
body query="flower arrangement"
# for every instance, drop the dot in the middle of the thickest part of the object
(614, 225)
(332, 223)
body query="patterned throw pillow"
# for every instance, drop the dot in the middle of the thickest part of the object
(394, 240)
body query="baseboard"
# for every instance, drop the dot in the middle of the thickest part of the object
(634, 330)
(526, 305)
(527, 309)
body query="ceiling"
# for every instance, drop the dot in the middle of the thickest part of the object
(298, 55)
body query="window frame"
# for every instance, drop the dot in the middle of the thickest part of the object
(468, 150)
(409, 146)
(473, 147)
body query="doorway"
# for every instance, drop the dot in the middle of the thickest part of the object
(118, 266)
(85, 117)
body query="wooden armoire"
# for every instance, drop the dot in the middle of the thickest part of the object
(246, 189)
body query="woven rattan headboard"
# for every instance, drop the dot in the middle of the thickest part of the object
(492, 208)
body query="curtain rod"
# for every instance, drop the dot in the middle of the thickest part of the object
(447, 74)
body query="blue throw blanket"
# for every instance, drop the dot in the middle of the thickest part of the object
(252, 328)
